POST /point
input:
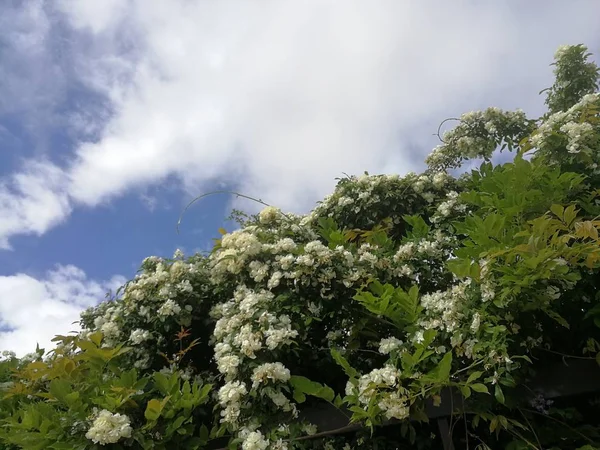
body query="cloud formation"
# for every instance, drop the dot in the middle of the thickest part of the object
(32, 201)
(35, 310)
(279, 98)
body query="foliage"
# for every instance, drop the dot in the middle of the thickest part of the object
(391, 293)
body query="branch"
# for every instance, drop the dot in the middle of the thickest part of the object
(237, 194)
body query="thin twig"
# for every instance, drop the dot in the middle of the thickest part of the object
(520, 436)
(562, 423)
(364, 350)
(530, 427)
(237, 194)
(564, 355)
(440, 128)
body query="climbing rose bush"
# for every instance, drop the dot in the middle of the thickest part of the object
(390, 292)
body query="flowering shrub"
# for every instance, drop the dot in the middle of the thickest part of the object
(390, 292)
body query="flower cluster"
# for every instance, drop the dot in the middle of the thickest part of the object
(165, 295)
(566, 129)
(444, 308)
(477, 135)
(384, 385)
(109, 428)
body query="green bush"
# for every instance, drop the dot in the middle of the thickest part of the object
(392, 290)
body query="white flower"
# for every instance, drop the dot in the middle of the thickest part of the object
(350, 388)
(279, 336)
(270, 371)
(98, 322)
(394, 406)
(439, 179)
(138, 336)
(280, 444)
(333, 335)
(274, 280)
(232, 392)
(109, 428)
(368, 384)
(388, 345)
(314, 309)
(487, 292)
(404, 252)
(110, 329)
(561, 51)
(255, 441)
(185, 286)
(476, 322)
(343, 201)
(258, 270)
(248, 341)
(268, 215)
(169, 308)
(418, 337)
(228, 364)
(309, 429)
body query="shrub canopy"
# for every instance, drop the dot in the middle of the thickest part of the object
(390, 292)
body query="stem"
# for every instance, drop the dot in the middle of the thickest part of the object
(520, 436)
(480, 440)
(475, 364)
(530, 427)
(562, 423)
(440, 128)
(327, 349)
(237, 194)
(564, 355)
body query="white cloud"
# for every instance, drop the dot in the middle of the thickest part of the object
(279, 98)
(35, 310)
(26, 61)
(31, 201)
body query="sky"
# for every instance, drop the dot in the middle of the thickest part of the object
(115, 114)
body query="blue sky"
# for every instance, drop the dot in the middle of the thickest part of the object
(115, 114)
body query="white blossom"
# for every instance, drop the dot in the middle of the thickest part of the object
(388, 345)
(255, 441)
(270, 371)
(109, 428)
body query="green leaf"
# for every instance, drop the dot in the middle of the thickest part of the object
(96, 338)
(341, 361)
(480, 387)
(558, 211)
(299, 396)
(557, 317)
(441, 372)
(461, 267)
(204, 434)
(337, 401)
(499, 394)
(60, 389)
(155, 408)
(303, 386)
(474, 376)
(465, 391)
(420, 229)
(570, 214)
(162, 382)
